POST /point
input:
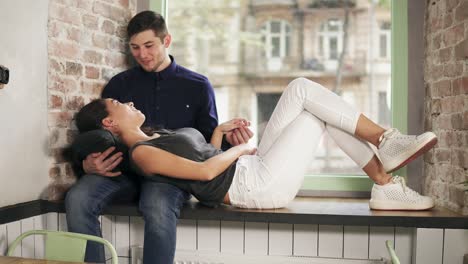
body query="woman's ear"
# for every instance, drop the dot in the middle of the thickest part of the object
(107, 123)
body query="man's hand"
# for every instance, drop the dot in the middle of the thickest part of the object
(239, 136)
(98, 163)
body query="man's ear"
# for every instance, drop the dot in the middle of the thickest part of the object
(167, 40)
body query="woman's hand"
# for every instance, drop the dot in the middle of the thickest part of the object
(232, 124)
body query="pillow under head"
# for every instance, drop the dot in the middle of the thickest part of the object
(94, 141)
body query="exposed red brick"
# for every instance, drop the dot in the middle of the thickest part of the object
(73, 68)
(461, 50)
(61, 84)
(74, 34)
(92, 72)
(461, 13)
(448, 20)
(63, 50)
(456, 121)
(442, 155)
(108, 27)
(445, 55)
(100, 41)
(465, 122)
(453, 70)
(74, 103)
(441, 88)
(116, 60)
(55, 102)
(64, 14)
(92, 56)
(56, 66)
(109, 11)
(90, 21)
(454, 35)
(92, 88)
(59, 119)
(54, 172)
(84, 4)
(123, 3)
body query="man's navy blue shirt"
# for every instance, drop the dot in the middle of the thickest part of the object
(172, 98)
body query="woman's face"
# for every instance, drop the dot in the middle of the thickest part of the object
(122, 115)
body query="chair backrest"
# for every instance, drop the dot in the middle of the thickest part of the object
(391, 252)
(64, 246)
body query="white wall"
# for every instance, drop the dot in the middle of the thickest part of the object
(23, 102)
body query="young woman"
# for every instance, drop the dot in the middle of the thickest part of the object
(271, 176)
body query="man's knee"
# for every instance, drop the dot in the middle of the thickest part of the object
(78, 200)
(161, 203)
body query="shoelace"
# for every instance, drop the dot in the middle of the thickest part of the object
(387, 134)
(400, 180)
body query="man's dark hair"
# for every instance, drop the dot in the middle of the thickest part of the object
(147, 20)
(91, 115)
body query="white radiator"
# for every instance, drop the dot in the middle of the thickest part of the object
(197, 257)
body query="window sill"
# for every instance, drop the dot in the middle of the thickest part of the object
(303, 210)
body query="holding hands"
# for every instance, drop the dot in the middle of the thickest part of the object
(236, 131)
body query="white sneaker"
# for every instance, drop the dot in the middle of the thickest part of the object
(396, 150)
(397, 196)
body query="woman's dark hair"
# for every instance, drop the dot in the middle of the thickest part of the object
(91, 115)
(147, 20)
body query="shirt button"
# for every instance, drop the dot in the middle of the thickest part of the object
(158, 88)
(157, 108)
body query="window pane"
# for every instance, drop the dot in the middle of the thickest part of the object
(383, 46)
(275, 27)
(333, 48)
(275, 46)
(230, 36)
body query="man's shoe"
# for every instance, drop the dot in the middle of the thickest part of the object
(396, 150)
(397, 196)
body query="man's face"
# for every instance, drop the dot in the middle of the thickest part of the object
(148, 50)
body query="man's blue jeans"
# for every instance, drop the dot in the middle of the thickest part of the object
(159, 204)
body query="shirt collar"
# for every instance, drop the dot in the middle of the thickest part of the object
(168, 71)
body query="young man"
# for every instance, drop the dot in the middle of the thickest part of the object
(170, 96)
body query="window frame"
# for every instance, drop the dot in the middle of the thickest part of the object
(283, 35)
(359, 185)
(325, 36)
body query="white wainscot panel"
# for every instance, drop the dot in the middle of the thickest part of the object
(13, 231)
(232, 237)
(280, 239)
(404, 244)
(305, 240)
(27, 245)
(429, 246)
(256, 238)
(186, 234)
(330, 241)
(356, 242)
(209, 235)
(455, 245)
(3, 240)
(378, 235)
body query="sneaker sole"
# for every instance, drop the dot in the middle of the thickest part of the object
(398, 206)
(423, 148)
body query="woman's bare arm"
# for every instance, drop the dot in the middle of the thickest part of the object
(153, 160)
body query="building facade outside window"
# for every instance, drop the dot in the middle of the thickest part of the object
(250, 50)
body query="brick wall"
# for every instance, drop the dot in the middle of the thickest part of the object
(86, 46)
(446, 111)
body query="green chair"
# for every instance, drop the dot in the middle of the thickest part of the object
(64, 246)
(391, 252)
